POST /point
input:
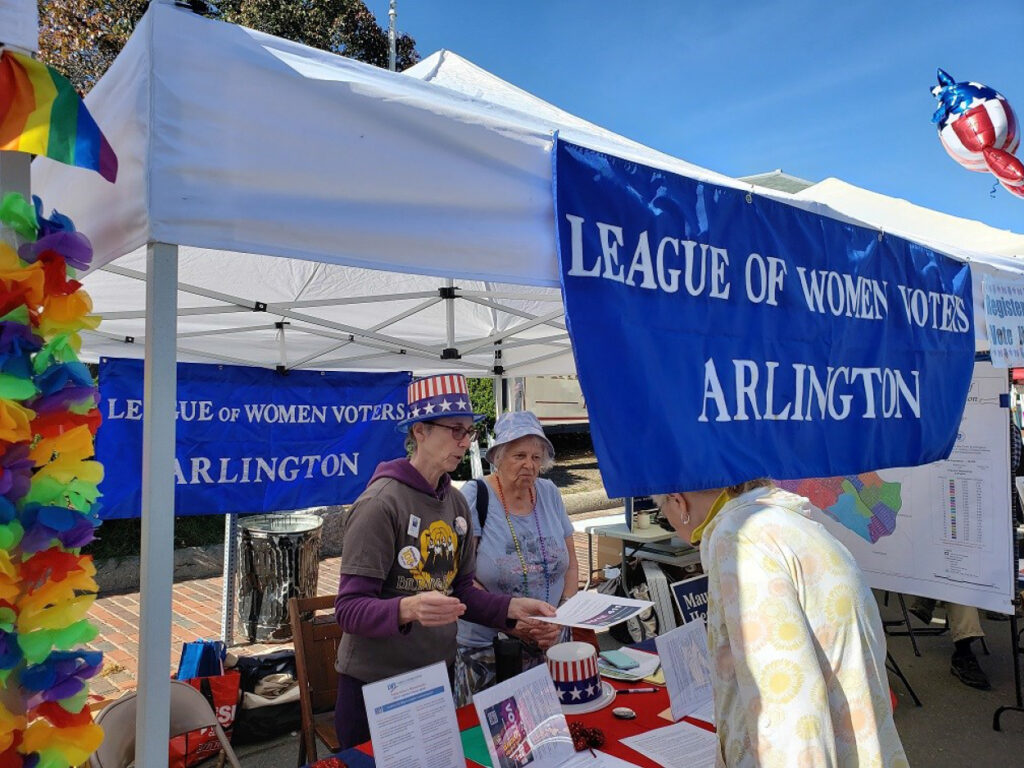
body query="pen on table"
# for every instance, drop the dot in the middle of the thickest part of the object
(637, 690)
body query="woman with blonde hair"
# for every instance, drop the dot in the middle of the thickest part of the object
(796, 641)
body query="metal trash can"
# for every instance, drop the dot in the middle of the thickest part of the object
(278, 558)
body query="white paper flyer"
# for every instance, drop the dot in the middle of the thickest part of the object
(594, 610)
(687, 664)
(523, 723)
(412, 720)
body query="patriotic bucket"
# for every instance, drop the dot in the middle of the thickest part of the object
(573, 668)
(437, 397)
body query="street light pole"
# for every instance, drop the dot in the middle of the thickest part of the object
(392, 55)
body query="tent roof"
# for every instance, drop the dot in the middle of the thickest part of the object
(961, 238)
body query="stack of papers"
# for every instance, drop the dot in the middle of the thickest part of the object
(648, 665)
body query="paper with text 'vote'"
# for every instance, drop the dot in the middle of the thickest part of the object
(412, 720)
(687, 664)
(597, 611)
(523, 723)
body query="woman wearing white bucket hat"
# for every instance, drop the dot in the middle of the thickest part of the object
(524, 546)
(408, 558)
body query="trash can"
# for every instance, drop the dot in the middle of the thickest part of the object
(278, 558)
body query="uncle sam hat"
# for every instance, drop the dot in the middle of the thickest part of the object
(437, 397)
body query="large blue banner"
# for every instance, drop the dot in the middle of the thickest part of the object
(251, 439)
(721, 336)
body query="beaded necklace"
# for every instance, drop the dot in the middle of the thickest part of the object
(519, 549)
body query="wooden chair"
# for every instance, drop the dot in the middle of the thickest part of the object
(316, 646)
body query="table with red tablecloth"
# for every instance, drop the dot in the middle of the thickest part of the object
(646, 705)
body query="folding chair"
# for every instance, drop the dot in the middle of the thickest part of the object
(190, 711)
(316, 647)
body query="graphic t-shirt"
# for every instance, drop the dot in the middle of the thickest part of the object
(498, 566)
(415, 543)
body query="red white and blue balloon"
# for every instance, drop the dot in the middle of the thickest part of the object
(978, 129)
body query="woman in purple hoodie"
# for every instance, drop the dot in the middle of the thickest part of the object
(409, 558)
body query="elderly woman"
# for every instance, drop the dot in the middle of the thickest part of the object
(794, 633)
(524, 546)
(408, 561)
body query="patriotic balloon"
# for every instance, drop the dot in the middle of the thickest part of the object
(978, 129)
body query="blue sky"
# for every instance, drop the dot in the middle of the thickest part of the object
(818, 89)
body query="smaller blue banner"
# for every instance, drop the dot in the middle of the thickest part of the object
(251, 440)
(721, 336)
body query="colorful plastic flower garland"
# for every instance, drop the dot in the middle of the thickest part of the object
(48, 492)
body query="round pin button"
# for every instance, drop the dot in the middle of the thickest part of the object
(624, 713)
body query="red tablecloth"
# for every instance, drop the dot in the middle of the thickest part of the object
(646, 705)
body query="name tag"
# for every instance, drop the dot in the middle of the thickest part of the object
(414, 526)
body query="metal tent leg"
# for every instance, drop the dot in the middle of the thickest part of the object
(894, 667)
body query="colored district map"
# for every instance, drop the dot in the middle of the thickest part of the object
(866, 504)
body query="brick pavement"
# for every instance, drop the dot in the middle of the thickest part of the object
(197, 611)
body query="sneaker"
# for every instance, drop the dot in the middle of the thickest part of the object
(966, 667)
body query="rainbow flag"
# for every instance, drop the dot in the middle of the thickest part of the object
(41, 113)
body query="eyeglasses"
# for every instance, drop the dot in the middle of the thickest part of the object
(458, 431)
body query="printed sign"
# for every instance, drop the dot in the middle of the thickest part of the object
(251, 439)
(1004, 318)
(691, 597)
(734, 336)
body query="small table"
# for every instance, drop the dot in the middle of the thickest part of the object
(620, 531)
(646, 705)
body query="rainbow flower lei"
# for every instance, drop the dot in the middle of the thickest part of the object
(48, 492)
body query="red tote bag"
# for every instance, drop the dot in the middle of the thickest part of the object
(194, 747)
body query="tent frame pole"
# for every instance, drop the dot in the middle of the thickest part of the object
(152, 725)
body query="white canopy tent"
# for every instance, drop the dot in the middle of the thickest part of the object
(313, 209)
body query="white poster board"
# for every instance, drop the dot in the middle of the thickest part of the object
(941, 530)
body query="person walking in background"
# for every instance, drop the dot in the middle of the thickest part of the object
(524, 546)
(796, 641)
(408, 559)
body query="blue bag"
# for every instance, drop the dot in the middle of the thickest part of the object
(201, 658)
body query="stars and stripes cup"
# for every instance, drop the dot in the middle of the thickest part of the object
(573, 668)
(437, 397)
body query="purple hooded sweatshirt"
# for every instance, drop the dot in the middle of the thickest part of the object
(367, 605)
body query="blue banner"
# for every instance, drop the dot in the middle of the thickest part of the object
(721, 336)
(251, 439)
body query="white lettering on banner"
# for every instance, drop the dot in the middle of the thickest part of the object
(283, 468)
(843, 295)
(887, 393)
(703, 266)
(262, 413)
(936, 310)
(704, 269)
(130, 411)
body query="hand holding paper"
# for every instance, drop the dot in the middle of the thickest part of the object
(527, 607)
(543, 633)
(594, 610)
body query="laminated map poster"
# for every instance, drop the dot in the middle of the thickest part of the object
(938, 530)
